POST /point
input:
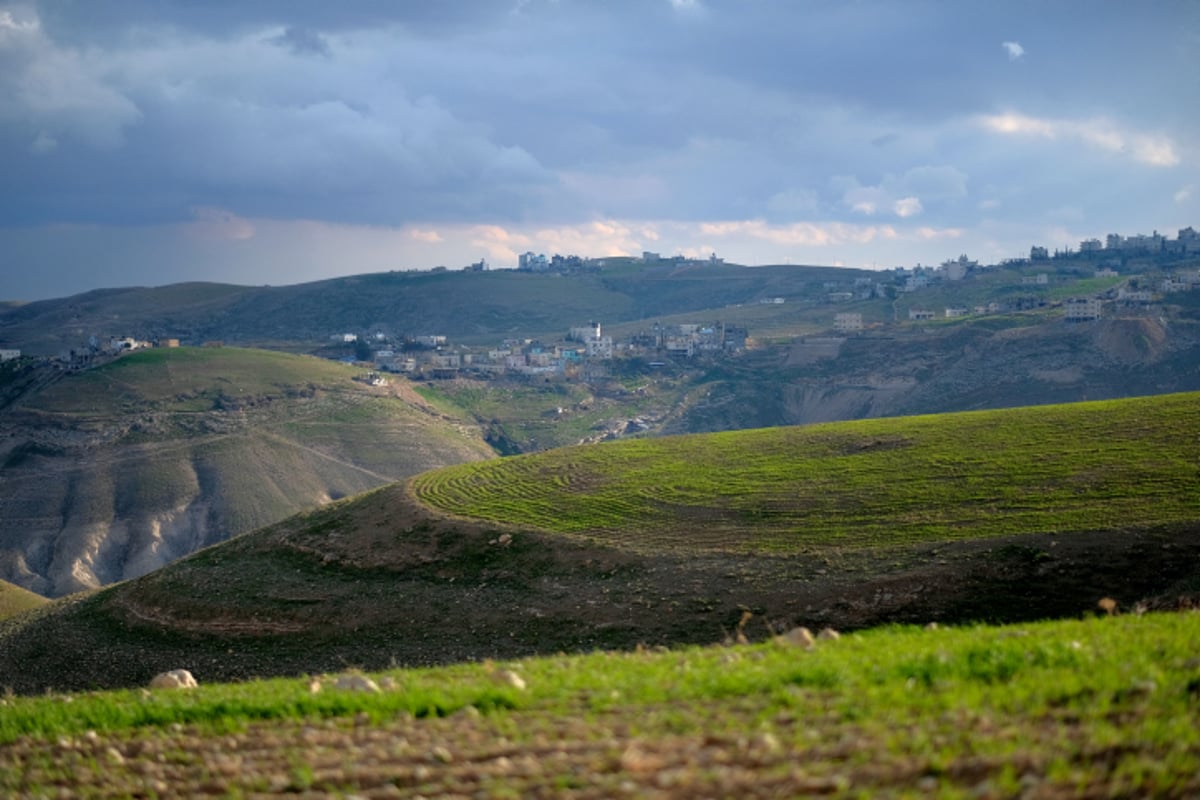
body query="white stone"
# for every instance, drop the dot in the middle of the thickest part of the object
(796, 637)
(506, 677)
(353, 682)
(175, 679)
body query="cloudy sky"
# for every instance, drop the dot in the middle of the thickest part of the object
(145, 142)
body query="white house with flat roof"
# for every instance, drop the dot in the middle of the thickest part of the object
(848, 322)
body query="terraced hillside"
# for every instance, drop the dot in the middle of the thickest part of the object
(867, 483)
(998, 516)
(110, 473)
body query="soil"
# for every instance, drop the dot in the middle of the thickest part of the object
(617, 753)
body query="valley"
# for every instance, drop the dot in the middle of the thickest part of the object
(117, 462)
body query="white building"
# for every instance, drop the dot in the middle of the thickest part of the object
(1138, 296)
(600, 347)
(9, 355)
(583, 333)
(1081, 309)
(956, 269)
(848, 322)
(920, 314)
(1176, 284)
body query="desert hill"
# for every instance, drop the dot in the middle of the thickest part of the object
(1001, 515)
(114, 471)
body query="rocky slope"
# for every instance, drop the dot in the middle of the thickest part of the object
(110, 474)
(957, 369)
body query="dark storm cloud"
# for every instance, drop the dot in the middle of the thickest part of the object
(303, 41)
(552, 113)
(88, 20)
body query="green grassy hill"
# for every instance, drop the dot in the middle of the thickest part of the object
(14, 600)
(867, 483)
(1001, 516)
(115, 471)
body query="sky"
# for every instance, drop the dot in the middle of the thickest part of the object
(147, 142)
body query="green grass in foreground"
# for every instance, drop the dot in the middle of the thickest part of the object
(1109, 700)
(1076, 467)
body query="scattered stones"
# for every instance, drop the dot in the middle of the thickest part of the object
(829, 634)
(637, 759)
(1107, 605)
(797, 637)
(506, 677)
(314, 686)
(174, 679)
(354, 682)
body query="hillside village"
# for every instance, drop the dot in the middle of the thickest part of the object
(1119, 267)
(1122, 275)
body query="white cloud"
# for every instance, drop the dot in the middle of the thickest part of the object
(929, 234)
(599, 237)
(1014, 50)
(1157, 151)
(8, 22)
(1151, 149)
(427, 236)
(807, 234)
(907, 207)
(905, 195)
(1185, 194)
(500, 244)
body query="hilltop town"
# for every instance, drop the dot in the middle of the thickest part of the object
(1124, 275)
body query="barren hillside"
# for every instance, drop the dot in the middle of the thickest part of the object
(111, 473)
